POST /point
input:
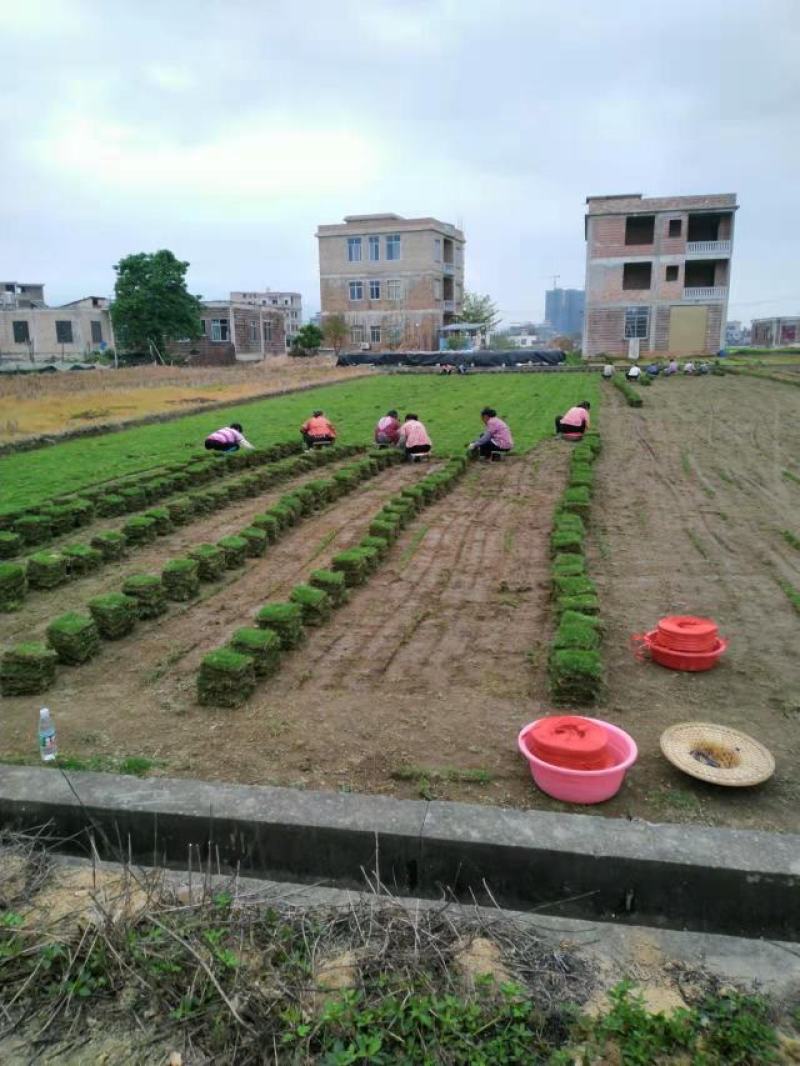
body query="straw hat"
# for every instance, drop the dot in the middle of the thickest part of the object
(717, 754)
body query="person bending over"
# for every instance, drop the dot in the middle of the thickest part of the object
(496, 436)
(576, 420)
(413, 436)
(318, 430)
(388, 429)
(228, 439)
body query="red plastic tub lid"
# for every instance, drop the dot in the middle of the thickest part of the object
(567, 735)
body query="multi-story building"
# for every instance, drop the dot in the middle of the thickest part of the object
(563, 310)
(234, 332)
(395, 280)
(32, 331)
(290, 304)
(775, 332)
(657, 273)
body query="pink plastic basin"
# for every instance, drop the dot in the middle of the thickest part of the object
(583, 786)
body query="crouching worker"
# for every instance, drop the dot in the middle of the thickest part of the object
(228, 439)
(576, 420)
(318, 430)
(388, 429)
(496, 436)
(413, 437)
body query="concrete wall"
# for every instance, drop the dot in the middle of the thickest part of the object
(42, 331)
(244, 337)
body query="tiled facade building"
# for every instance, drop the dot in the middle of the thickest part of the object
(290, 304)
(395, 280)
(657, 273)
(234, 333)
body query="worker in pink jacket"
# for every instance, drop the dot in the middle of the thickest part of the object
(576, 420)
(413, 436)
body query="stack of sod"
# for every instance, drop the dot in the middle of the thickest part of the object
(110, 505)
(140, 530)
(577, 501)
(10, 545)
(81, 559)
(74, 638)
(216, 498)
(34, 528)
(210, 561)
(235, 551)
(313, 603)
(632, 397)
(285, 619)
(134, 497)
(46, 570)
(27, 669)
(575, 675)
(294, 505)
(202, 503)
(13, 586)
(181, 580)
(256, 540)
(148, 591)
(568, 532)
(161, 517)
(332, 583)
(226, 678)
(180, 510)
(385, 528)
(61, 519)
(115, 614)
(110, 543)
(270, 525)
(379, 544)
(416, 495)
(82, 511)
(262, 645)
(371, 557)
(353, 565)
(284, 515)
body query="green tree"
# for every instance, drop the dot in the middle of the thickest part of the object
(336, 331)
(307, 340)
(480, 310)
(151, 304)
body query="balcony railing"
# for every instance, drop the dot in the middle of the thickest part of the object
(708, 248)
(708, 292)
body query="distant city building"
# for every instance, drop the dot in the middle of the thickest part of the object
(31, 331)
(234, 332)
(530, 334)
(563, 310)
(396, 281)
(290, 305)
(657, 273)
(775, 332)
(736, 334)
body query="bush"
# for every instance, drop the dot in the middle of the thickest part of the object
(226, 678)
(13, 586)
(180, 579)
(285, 619)
(46, 570)
(110, 544)
(575, 676)
(10, 545)
(332, 582)
(148, 591)
(313, 603)
(81, 559)
(114, 613)
(140, 530)
(210, 561)
(74, 638)
(27, 669)
(34, 528)
(235, 549)
(262, 645)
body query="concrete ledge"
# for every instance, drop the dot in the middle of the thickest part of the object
(709, 880)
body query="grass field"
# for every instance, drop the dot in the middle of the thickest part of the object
(450, 407)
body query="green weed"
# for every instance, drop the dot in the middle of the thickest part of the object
(416, 540)
(792, 594)
(790, 538)
(789, 476)
(697, 543)
(136, 765)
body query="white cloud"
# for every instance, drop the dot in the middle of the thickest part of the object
(173, 79)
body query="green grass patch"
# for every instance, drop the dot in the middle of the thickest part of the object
(632, 397)
(411, 549)
(132, 765)
(789, 476)
(792, 594)
(791, 539)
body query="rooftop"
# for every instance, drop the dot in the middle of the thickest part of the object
(635, 203)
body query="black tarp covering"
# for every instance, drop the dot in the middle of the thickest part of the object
(524, 356)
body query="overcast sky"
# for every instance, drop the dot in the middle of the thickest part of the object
(226, 131)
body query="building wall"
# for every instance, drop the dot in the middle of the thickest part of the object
(244, 337)
(42, 331)
(290, 304)
(775, 332)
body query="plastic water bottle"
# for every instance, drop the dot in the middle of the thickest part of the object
(47, 736)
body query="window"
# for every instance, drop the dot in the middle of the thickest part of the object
(637, 319)
(63, 332)
(674, 227)
(374, 249)
(219, 330)
(374, 290)
(21, 333)
(393, 246)
(640, 229)
(97, 332)
(671, 273)
(354, 249)
(636, 275)
(357, 334)
(356, 290)
(268, 331)
(375, 334)
(437, 249)
(202, 327)
(394, 290)
(437, 289)
(252, 327)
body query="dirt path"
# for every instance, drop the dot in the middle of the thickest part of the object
(688, 516)
(429, 664)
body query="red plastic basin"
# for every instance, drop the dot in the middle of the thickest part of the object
(693, 661)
